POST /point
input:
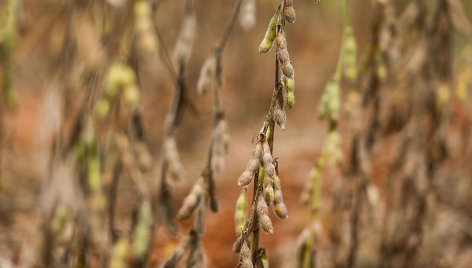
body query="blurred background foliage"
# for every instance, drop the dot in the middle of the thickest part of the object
(45, 81)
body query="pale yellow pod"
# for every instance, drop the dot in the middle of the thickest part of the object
(289, 84)
(131, 95)
(269, 37)
(240, 214)
(268, 190)
(142, 231)
(102, 108)
(269, 194)
(119, 254)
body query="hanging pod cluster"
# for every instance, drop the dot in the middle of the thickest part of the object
(120, 84)
(260, 156)
(261, 164)
(276, 32)
(261, 167)
(288, 81)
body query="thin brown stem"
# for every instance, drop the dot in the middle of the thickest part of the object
(230, 25)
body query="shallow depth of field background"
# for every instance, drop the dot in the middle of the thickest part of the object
(313, 42)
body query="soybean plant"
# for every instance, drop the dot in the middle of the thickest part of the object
(262, 168)
(331, 154)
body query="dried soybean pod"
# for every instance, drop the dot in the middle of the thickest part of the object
(279, 205)
(196, 258)
(219, 145)
(283, 55)
(183, 48)
(282, 47)
(175, 168)
(246, 256)
(280, 117)
(289, 12)
(287, 69)
(238, 244)
(268, 190)
(207, 74)
(278, 112)
(246, 177)
(178, 253)
(191, 200)
(269, 37)
(267, 160)
(262, 214)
